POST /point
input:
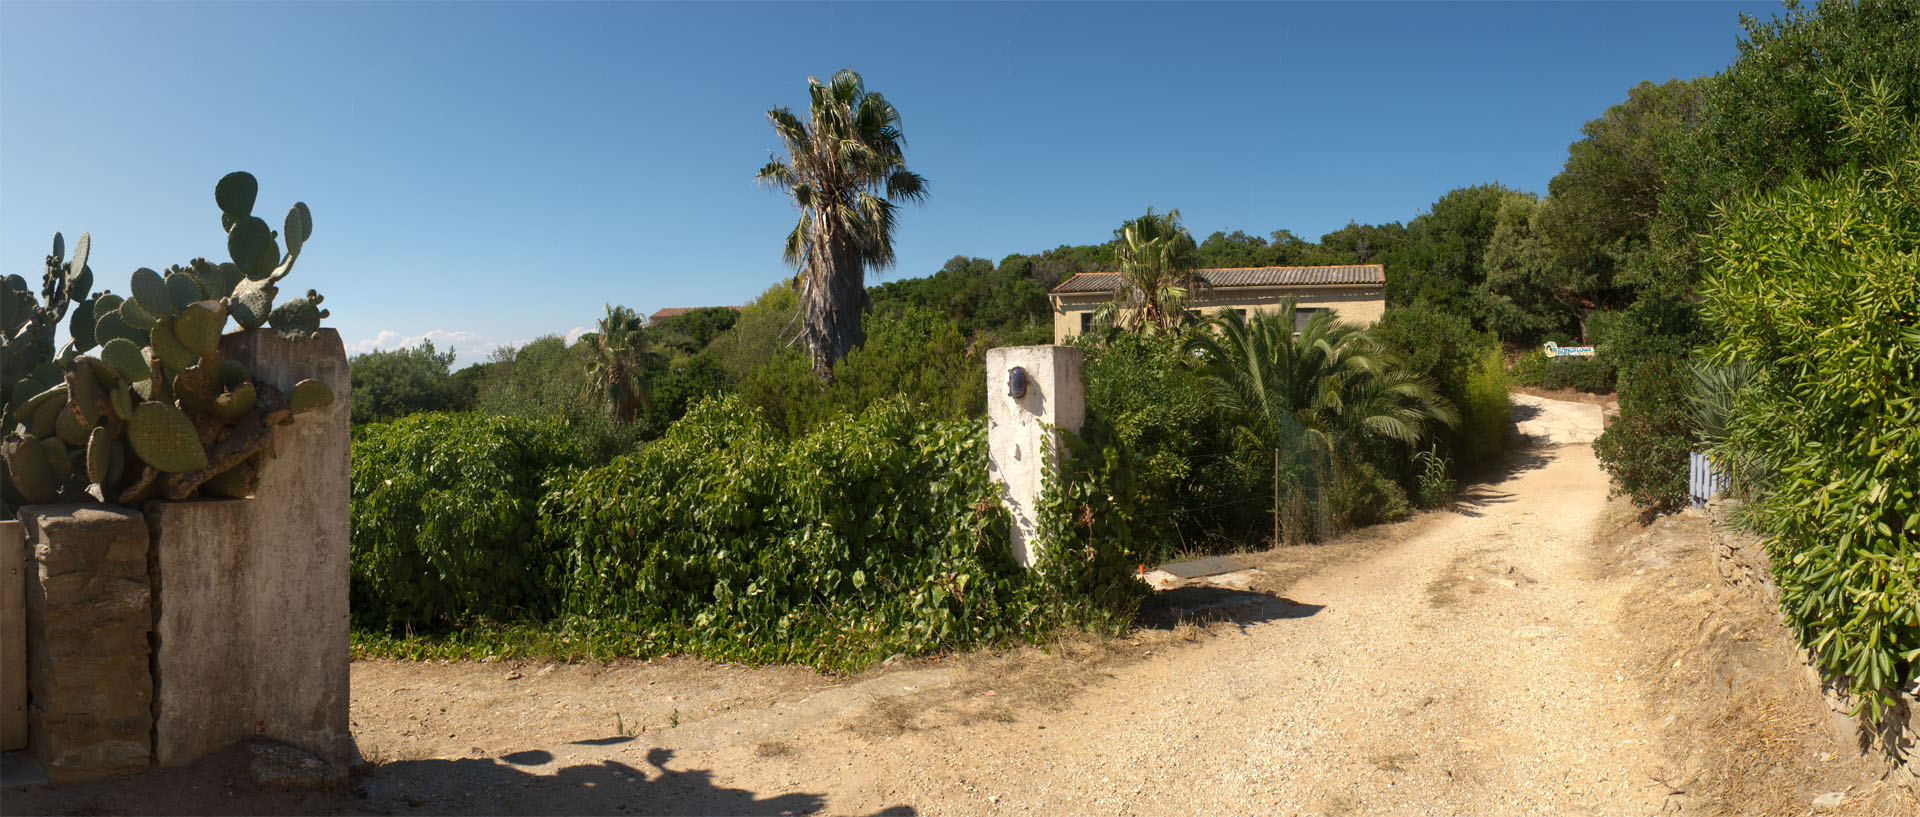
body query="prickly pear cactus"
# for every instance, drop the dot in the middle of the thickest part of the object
(157, 411)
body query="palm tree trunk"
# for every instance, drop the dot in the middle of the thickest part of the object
(831, 309)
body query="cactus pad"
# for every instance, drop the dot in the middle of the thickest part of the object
(183, 289)
(251, 307)
(137, 316)
(124, 356)
(164, 438)
(199, 325)
(28, 468)
(167, 347)
(80, 325)
(150, 290)
(99, 455)
(70, 429)
(235, 404)
(308, 395)
(233, 374)
(235, 193)
(110, 325)
(59, 461)
(250, 244)
(299, 227)
(120, 401)
(299, 319)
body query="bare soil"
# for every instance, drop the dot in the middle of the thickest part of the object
(1531, 650)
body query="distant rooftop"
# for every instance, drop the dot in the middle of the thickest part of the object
(1355, 275)
(675, 311)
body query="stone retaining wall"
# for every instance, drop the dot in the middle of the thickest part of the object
(1744, 565)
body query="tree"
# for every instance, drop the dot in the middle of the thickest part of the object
(1313, 397)
(391, 384)
(1776, 113)
(1156, 258)
(1607, 195)
(844, 169)
(617, 363)
(1442, 260)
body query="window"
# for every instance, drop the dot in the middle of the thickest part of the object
(1086, 322)
(1302, 315)
(1243, 313)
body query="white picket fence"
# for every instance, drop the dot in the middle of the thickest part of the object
(1703, 480)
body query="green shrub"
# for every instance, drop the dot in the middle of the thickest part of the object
(1588, 374)
(870, 535)
(1465, 365)
(1817, 287)
(1645, 448)
(1190, 483)
(444, 520)
(1361, 496)
(1530, 369)
(1434, 477)
(1485, 415)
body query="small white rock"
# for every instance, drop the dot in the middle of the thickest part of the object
(1829, 801)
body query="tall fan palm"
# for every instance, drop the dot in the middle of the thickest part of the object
(617, 363)
(1156, 258)
(1314, 395)
(844, 169)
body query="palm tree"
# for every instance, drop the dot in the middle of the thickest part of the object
(844, 169)
(1312, 396)
(617, 363)
(1156, 258)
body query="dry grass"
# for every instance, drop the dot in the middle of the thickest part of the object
(1745, 733)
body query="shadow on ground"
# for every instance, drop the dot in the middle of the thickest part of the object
(221, 784)
(1201, 603)
(499, 786)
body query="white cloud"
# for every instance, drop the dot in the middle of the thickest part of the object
(575, 333)
(468, 347)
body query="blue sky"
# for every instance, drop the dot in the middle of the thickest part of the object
(486, 173)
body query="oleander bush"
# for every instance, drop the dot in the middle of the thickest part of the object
(1816, 287)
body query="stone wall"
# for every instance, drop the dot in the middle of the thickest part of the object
(13, 636)
(91, 713)
(1022, 446)
(1743, 564)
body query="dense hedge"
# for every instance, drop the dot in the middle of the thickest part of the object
(1817, 288)
(1465, 366)
(1645, 448)
(445, 519)
(873, 534)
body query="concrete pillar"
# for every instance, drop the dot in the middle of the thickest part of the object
(87, 655)
(13, 636)
(1022, 451)
(251, 627)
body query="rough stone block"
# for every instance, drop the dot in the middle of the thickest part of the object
(251, 627)
(91, 689)
(1022, 446)
(13, 636)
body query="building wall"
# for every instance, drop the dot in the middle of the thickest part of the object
(1363, 305)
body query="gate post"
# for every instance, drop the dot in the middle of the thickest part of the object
(1031, 390)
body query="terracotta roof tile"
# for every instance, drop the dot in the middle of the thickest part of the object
(1362, 274)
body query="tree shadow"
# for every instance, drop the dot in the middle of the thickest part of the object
(491, 786)
(1521, 412)
(221, 784)
(1203, 603)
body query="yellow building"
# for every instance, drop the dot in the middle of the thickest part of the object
(1356, 294)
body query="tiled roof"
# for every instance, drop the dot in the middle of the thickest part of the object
(676, 311)
(1361, 274)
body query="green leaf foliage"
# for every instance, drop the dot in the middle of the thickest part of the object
(873, 534)
(1645, 448)
(1816, 286)
(444, 520)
